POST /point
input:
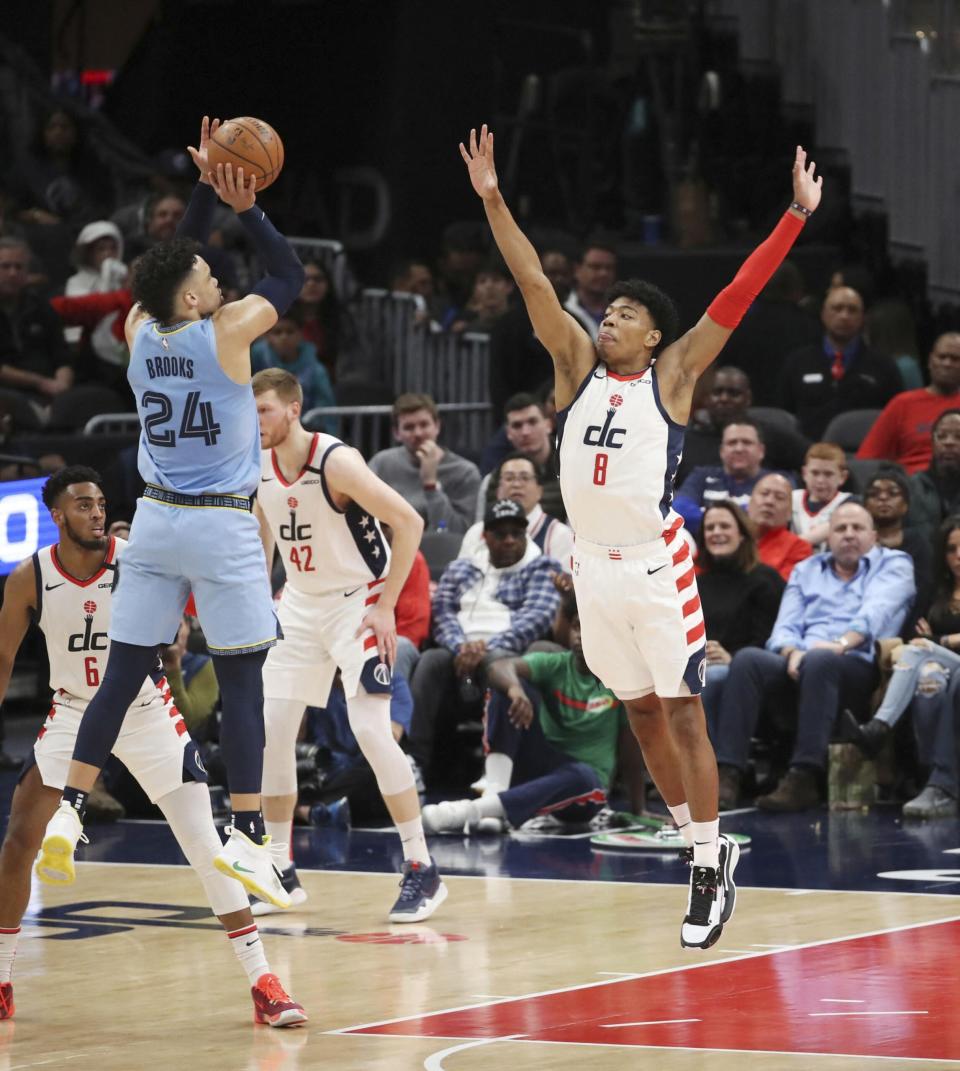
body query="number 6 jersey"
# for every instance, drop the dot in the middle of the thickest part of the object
(619, 453)
(324, 549)
(74, 616)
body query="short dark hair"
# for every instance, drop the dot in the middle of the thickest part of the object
(568, 605)
(745, 422)
(159, 274)
(521, 400)
(659, 305)
(515, 455)
(62, 478)
(941, 418)
(894, 474)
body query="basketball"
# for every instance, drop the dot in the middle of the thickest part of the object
(248, 143)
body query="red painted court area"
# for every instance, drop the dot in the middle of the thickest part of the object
(885, 995)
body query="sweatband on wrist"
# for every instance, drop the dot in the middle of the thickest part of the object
(730, 306)
(285, 274)
(197, 221)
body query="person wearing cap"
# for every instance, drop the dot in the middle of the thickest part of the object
(482, 612)
(98, 256)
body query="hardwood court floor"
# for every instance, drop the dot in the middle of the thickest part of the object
(126, 970)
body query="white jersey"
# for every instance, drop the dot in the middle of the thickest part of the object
(619, 453)
(803, 520)
(74, 616)
(324, 548)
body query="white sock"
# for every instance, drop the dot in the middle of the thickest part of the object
(248, 948)
(8, 952)
(489, 806)
(280, 833)
(681, 816)
(706, 844)
(498, 770)
(413, 841)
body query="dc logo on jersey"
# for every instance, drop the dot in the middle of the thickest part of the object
(292, 502)
(604, 435)
(88, 640)
(381, 673)
(90, 607)
(616, 400)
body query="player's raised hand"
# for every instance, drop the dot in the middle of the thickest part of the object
(479, 161)
(208, 128)
(806, 188)
(234, 189)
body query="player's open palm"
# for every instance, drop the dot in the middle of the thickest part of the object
(806, 188)
(479, 161)
(208, 127)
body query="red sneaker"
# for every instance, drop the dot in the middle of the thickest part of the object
(271, 1003)
(6, 1000)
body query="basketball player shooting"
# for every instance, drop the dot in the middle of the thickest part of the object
(194, 529)
(622, 408)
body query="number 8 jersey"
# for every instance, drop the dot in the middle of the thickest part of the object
(324, 549)
(619, 454)
(199, 428)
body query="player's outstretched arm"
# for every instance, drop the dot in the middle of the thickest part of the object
(197, 221)
(693, 352)
(19, 598)
(568, 344)
(349, 478)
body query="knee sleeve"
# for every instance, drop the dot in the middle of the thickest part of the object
(241, 728)
(187, 811)
(932, 679)
(370, 723)
(281, 721)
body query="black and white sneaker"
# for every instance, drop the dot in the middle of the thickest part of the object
(712, 898)
(729, 857)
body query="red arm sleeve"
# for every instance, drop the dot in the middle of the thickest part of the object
(88, 310)
(729, 306)
(413, 606)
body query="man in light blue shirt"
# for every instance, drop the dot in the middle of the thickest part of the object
(820, 654)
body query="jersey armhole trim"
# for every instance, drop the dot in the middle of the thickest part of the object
(38, 580)
(656, 397)
(583, 386)
(323, 478)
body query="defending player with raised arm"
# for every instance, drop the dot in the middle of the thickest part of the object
(322, 506)
(67, 589)
(193, 530)
(622, 408)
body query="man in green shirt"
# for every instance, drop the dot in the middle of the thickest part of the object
(551, 734)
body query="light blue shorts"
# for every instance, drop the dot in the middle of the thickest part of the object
(214, 553)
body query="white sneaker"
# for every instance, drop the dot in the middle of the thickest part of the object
(54, 865)
(290, 881)
(252, 865)
(451, 816)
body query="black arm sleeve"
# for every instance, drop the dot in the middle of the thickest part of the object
(197, 221)
(285, 275)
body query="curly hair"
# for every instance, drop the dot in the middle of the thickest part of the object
(659, 305)
(159, 274)
(63, 478)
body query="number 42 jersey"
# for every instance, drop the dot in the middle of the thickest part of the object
(199, 429)
(324, 549)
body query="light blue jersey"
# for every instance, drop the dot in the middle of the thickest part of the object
(199, 429)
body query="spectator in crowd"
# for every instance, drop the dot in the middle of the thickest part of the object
(901, 432)
(741, 466)
(35, 365)
(728, 402)
(161, 215)
(923, 684)
(98, 256)
(439, 484)
(740, 595)
(887, 499)
(889, 328)
(520, 478)
(776, 325)
(935, 492)
(415, 276)
(840, 373)
(835, 607)
(326, 324)
(552, 733)
(22, 459)
(489, 300)
(479, 615)
(59, 180)
(527, 431)
(412, 612)
(463, 249)
(595, 273)
(770, 506)
(284, 346)
(518, 360)
(100, 317)
(824, 472)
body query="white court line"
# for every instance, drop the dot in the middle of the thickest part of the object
(434, 1062)
(649, 1022)
(823, 1015)
(653, 974)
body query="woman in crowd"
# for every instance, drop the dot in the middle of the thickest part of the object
(739, 594)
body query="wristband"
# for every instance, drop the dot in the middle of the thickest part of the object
(434, 486)
(797, 207)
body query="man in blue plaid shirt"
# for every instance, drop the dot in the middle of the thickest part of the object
(491, 605)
